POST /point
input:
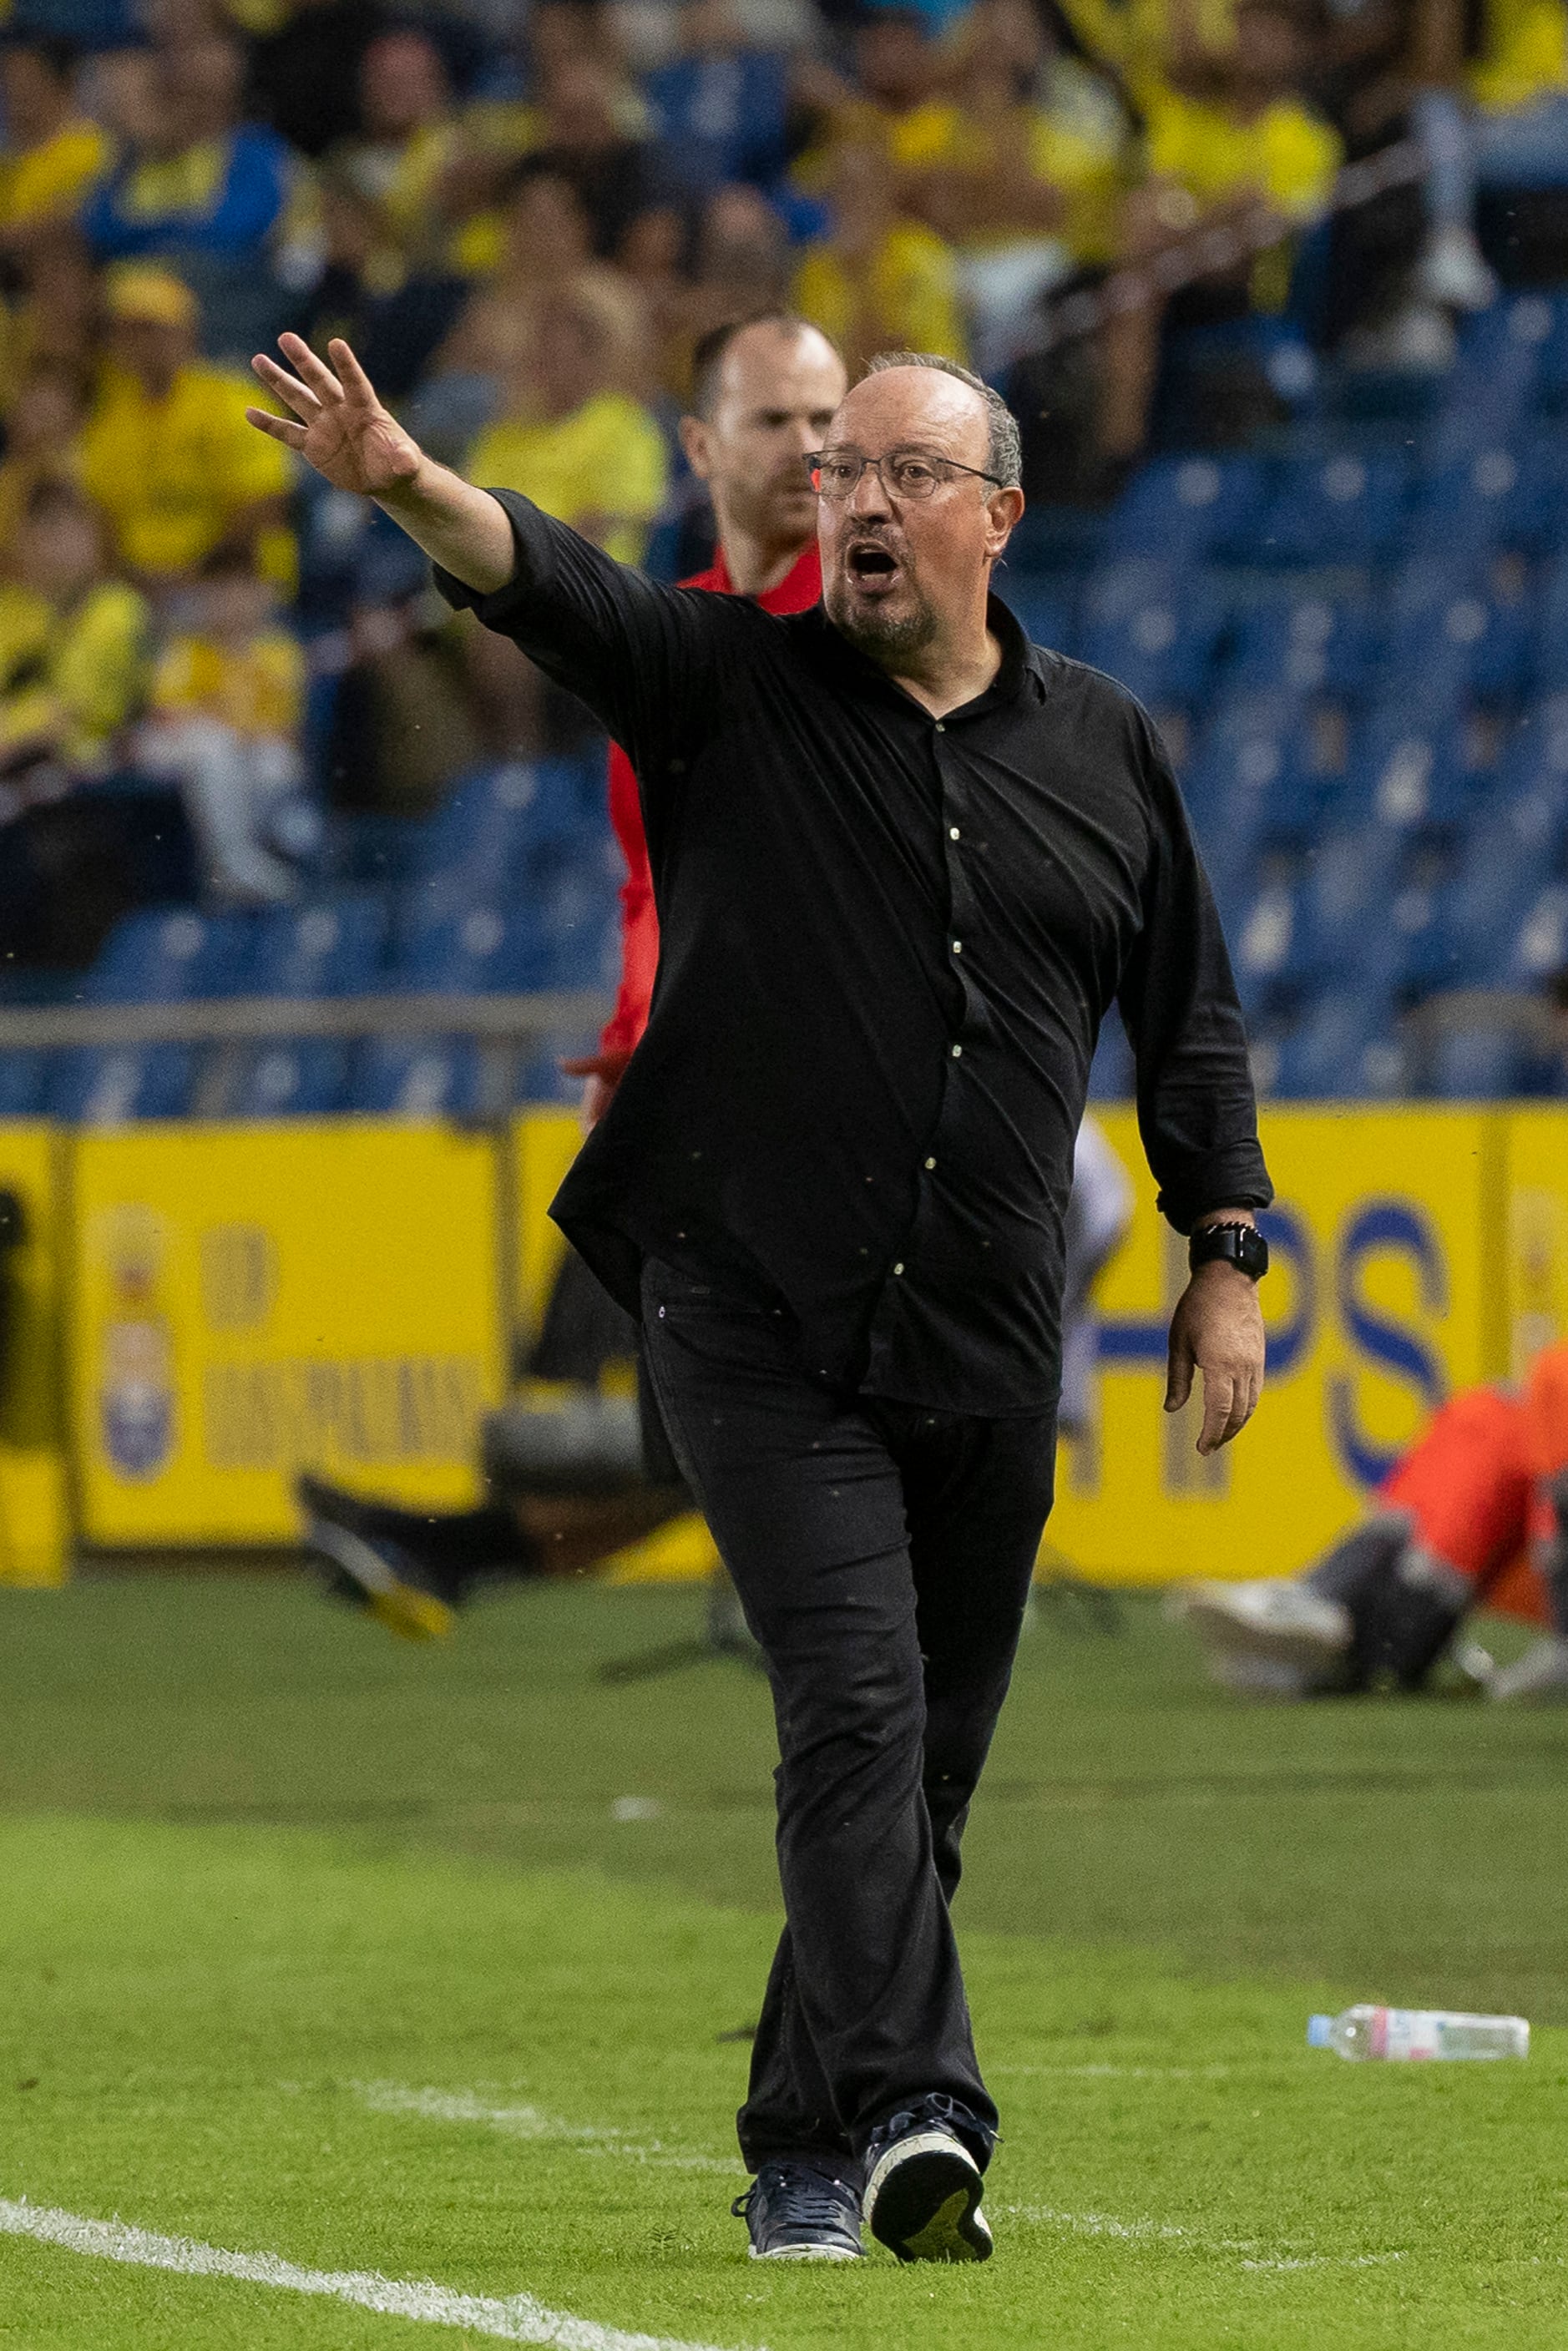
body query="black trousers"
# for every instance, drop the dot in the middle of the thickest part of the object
(882, 1554)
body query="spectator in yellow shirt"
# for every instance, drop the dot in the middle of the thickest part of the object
(1496, 118)
(579, 447)
(879, 281)
(229, 700)
(1022, 168)
(167, 452)
(573, 439)
(73, 648)
(52, 154)
(1249, 154)
(1255, 140)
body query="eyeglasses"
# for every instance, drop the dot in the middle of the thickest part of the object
(903, 472)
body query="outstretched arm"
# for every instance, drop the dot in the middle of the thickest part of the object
(343, 431)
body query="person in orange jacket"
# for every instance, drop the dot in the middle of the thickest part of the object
(570, 1487)
(1475, 1514)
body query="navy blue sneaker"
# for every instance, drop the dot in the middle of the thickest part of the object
(923, 2185)
(801, 2211)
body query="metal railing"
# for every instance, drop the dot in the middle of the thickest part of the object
(264, 1020)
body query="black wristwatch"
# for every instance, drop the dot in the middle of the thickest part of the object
(1242, 1246)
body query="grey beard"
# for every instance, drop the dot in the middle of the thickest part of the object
(885, 641)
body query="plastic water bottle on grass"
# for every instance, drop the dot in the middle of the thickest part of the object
(1410, 2033)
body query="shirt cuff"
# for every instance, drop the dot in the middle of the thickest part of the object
(1231, 1179)
(530, 540)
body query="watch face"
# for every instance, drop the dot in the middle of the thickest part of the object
(1240, 1244)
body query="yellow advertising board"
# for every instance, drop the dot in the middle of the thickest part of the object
(34, 1517)
(247, 1301)
(1383, 1299)
(1536, 1275)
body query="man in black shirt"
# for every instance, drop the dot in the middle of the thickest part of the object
(904, 862)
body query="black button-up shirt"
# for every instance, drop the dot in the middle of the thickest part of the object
(887, 943)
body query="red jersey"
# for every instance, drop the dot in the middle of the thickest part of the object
(796, 592)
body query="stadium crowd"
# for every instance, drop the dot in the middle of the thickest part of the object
(1132, 216)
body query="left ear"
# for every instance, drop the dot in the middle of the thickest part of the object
(1003, 510)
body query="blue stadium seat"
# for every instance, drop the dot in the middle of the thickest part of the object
(112, 1085)
(1252, 785)
(1479, 500)
(1406, 773)
(424, 1078)
(1551, 386)
(24, 1080)
(1539, 944)
(1480, 1062)
(1044, 612)
(1183, 509)
(1450, 635)
(332, 947)
(160, 957)
(1492, 389)
(1351, 880)
(577, 933)
(166, 956)
(479, 826)
(1333, 511)
(1160, 642)
(1344, 1045)
(480, 947)
(1549, 651)
(1303, 644)
(1265, 942)
(300, 1078)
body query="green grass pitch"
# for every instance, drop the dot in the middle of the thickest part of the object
(316, 1946)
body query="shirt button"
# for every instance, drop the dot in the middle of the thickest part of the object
(952, 832)
(940, 728)
(931, 1162)
(957, 947)
(957, 1053)
(898, 1268)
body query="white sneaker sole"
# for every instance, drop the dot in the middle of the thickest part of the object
(922, 2201)
(1223, 1626)
(806, 2254)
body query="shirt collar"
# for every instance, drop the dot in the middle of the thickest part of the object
(1021, 669)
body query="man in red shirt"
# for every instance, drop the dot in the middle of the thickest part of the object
(763, 394)
(573, 1486)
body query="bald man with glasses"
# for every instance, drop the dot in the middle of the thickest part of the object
(904, 862)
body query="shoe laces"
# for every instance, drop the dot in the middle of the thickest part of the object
(809, 2192)
(936, 2107)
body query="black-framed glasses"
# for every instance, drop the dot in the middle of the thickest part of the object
(903, 472)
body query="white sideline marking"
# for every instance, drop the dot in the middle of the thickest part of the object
(518, 2319)
(1102, 2224)
(1329, 2261)
(1127, 2073)
(530, 2122)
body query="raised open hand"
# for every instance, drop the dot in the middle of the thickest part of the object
(343, 430)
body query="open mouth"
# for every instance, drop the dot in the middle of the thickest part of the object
(868, 562)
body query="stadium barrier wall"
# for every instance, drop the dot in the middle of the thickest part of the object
(247, 1301)
(230, 1303)
(34, 1517)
